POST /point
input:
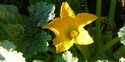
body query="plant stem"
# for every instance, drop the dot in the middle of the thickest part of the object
(107, 46)
(119, 52)
(111, 23)
(112, 13)
(84, 50)
(98, 23)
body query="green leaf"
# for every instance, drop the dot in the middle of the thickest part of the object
(120, 52)
(67, 56)
(59, 59)
(121, 34)
(37, 44)
(8, 8)
(42, 39)
(11, 31)
(42, 13)
(15, 31)
(9, 19)
(3, 33)
(9, 14)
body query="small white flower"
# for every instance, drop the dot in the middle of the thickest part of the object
(11, 56)
(122, 59)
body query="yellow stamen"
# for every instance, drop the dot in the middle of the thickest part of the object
(74, 34)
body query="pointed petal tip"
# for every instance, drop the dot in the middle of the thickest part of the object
(66, 11)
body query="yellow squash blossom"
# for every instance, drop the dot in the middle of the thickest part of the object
(68, 28)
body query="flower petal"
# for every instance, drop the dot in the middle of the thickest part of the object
(83, 38)
(66, 11)
(57, 26)
(62, 43)
(84, 19)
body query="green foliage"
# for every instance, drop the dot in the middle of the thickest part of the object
(14, 31)
(59, 59)
(8, 15)
(10, 22)
(36, 44)
(121, 51)
(41, 13)
(25, 31)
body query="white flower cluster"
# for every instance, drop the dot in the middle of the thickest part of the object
(11, 56)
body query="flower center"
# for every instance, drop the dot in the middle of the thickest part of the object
(73, 34)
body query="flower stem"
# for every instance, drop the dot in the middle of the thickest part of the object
(107, 46)
(84, 50)
(112, 12)
(98, 23)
